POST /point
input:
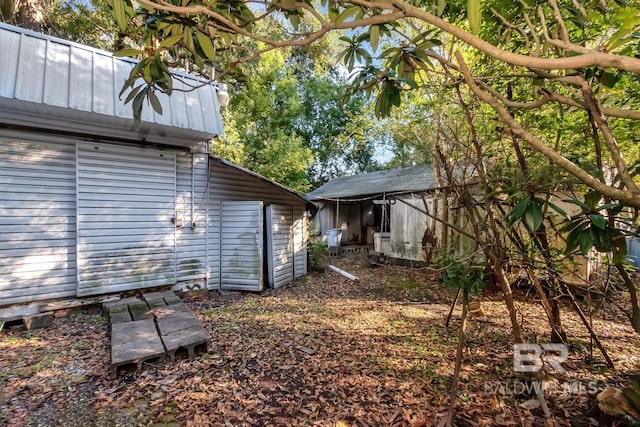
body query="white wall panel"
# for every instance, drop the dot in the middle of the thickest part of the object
(241, 246)
(37, 218)
(191, 207)
(280, 245)
(125, 243)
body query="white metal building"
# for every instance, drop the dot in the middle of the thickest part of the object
(91, 205)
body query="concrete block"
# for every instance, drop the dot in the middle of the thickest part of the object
(192, 340)
(121, 317)
(140, 310)
(179, 321)
(156, 303)
(134, 343)
(38, 321)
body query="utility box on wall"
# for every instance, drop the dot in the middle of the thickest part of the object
(382, 242)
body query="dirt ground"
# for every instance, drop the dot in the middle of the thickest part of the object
(321, 351)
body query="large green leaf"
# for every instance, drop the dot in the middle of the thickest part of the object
(349, 12)
(474, 14)
(120, 15)
(128, 52)
(170, 41)
(374, 37)
(519, 210)
(599, 221)
(533, 216)
(206, 45)
(155, 102)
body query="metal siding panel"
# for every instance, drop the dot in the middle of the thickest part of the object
(103, 86)
(194, 111)
(241, 247)
(210, 110)
(300, 242)
(37, 232)
(56, 78)
(282, 261)
(179, 110)
(31, 64)
(81, 80)
(191, 242)
(10, 52)
(143, 253)
(62, 79)
(121, 71)
(214, 223)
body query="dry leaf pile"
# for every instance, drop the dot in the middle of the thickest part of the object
(322, 351)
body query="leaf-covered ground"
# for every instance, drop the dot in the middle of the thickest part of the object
(322, 351)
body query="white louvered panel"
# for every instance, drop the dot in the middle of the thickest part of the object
(191, 200)
(241, 245)
(126, 241)
(280, 245)
(37, 219)
(214, 223)
(300, 230)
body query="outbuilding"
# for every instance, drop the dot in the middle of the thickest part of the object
(397, 212)
(92, 206)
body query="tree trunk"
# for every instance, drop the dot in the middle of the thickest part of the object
(453, 397)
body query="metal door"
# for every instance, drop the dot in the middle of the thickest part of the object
(280, 245)
(126, 205)
(241, 246)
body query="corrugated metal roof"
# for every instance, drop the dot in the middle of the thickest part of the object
(257, 175)
(52, 83)
(394, 181)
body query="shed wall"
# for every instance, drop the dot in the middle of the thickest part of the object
(191, 208)
(38, 214)
(230, 184)
(37, 218)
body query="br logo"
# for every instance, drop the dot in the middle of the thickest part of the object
(532, 357)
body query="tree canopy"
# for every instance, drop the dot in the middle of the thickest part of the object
(573, 54)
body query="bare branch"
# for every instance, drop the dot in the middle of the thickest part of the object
(628, 197)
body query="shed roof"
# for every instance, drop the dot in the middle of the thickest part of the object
(368, 185)
(283, 188)
(56, 84)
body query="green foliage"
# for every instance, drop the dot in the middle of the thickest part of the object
(318, 255)
(457, 273)
(590, 228)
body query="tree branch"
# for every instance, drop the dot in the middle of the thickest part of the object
(627, 197)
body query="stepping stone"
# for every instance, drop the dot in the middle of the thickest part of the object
(156, 303)
(169, 297)
(134, 343)
(178, 321)
(140, 310)
(193, 340)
